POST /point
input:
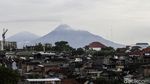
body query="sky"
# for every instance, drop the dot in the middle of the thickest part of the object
(121, 21)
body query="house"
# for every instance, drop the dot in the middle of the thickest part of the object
(122, 51)
(43, 81)
(146, 70)
(136, 53)
(146, 52)
(92, 72)
(142, 45)
(9, 45)
(10, 54)
(96, 46)
(27, 66)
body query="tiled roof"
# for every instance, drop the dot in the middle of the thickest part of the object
(96, 45)
(146, 50)
(137, 53)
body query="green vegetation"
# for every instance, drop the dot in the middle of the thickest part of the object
(39, 47)
(107, 81)
(78, 51)
(105, 52)
(8, 76)
(62, 46)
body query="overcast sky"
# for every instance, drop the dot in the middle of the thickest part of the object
(122, 21)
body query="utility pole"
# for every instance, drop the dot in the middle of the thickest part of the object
(3, 36)
(44, 48)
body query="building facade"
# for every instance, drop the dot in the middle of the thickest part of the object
(96, 46)
(8, 45)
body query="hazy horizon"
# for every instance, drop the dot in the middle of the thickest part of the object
(121, 21)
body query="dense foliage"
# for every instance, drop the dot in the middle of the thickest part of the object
(8, 76)
(105, 52)
(62, 46)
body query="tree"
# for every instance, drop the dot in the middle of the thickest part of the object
(62, 46)
(86, 47)
(48, 47)
(78, 51)
(8, 76)
(135, 48)
(105, 52)
(39, 47)
(108, 49)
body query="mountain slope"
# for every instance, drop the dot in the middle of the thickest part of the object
(23, 38)
(76, 38)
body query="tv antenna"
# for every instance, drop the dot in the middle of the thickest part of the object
(3, 36)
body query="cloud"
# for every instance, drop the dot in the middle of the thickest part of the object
(123, 16)
(30, 20)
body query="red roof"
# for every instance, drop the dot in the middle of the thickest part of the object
(140, 52)
(136, 53)
(96, 45)
(146, 50)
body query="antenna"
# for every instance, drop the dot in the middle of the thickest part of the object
(3, 36)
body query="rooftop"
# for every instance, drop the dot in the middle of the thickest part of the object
(96, 45)
(42, 80)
